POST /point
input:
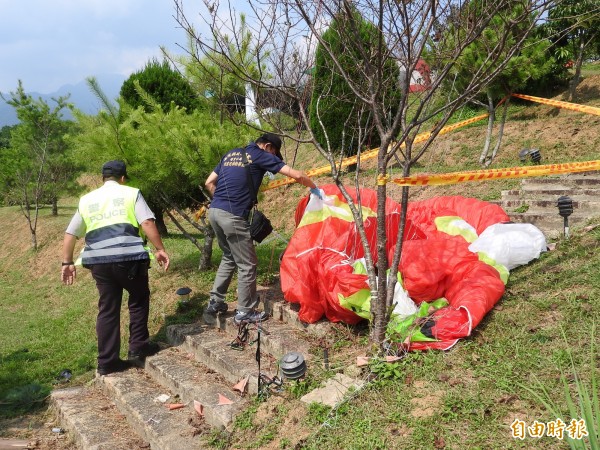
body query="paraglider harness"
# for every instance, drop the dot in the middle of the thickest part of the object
(260, 225)
(241, 341)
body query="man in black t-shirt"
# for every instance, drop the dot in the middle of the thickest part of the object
(231, 203)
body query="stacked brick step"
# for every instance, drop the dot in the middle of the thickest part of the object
(536, 201)
(197, 383)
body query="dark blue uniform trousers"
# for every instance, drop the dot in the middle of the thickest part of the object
(111, 279)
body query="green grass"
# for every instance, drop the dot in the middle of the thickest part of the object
(583, 406)
(590, 69)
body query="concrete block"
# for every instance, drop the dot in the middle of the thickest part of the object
(334, 391)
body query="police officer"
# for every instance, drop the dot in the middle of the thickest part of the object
(114, 220)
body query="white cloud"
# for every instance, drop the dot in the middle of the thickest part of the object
(50, 43)
(47, 44)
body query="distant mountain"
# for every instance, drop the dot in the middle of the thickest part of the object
(81, 96)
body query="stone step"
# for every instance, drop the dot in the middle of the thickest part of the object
(572, 180)
(192, 381)
(536, 214)
(135, 395)
(551, 205)
(552, 194)
(93, 421)
(556, 191)
(278, 309)
(201, 369)
(277, 336)
(551, 225)
(288, 313)
(539, 195)
(282, 333)
(212, 348)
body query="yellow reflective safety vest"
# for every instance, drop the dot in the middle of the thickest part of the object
(112, 231)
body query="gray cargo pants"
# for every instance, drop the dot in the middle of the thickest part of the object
(233, 235)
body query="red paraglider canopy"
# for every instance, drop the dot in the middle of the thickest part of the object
(319, 270)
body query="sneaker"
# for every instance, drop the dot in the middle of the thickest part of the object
(148, 349)
(118, 366)
(214, 307)
(250, 316)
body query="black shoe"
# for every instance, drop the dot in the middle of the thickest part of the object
(118, 366)
(148, 349)
(215, 307)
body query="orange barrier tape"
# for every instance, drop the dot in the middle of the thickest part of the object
(372, 153)
(495, 174)
(559, 104)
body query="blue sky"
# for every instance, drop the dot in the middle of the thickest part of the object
(50, 43)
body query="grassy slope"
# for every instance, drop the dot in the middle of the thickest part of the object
(465, 398)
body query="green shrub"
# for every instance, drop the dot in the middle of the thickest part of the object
(164, 84)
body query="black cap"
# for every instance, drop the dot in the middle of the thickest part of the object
(115, 169)
(274, 140)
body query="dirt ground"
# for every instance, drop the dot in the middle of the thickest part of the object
(35, 431)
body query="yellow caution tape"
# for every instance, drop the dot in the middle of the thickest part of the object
(560, 104)
(372, 153)
(495, 174)
(382, 180)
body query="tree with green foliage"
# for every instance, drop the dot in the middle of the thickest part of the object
(165, 84)
(574, 27)
(220, 79)
(168, 154)
(36, 162)
(339, 119)
(531, 62)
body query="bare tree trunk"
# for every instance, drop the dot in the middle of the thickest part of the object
(398, 252)
(500, 133)
(55, 206)
(490, 129)
(33, 226)
(206, 255)
(205, 228)
(378, 296)
(26, 207)
(160, 220)
(577, 77)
